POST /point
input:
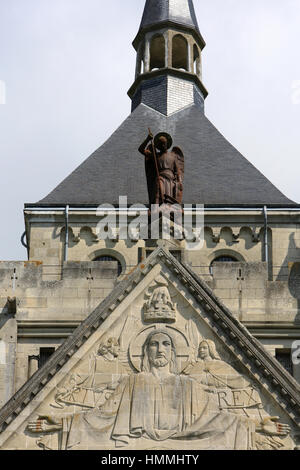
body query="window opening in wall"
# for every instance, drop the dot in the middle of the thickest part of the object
(141, 58)
(109, 258)
(45, 354)
(196, 60)
(284, 356)
(157, 53)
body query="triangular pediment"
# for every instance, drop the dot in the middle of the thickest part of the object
(107, 386)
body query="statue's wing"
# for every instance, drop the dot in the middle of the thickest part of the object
(180, 159)
(180, 162)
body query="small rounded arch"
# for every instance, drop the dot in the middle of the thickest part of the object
(109, 255)
(157, 52)
(180, 52)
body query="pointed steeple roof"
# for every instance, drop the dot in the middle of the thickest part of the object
(179, 12)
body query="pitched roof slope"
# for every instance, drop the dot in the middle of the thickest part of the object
(215, 172)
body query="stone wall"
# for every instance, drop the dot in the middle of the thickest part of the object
(237, 235)
(47, 311)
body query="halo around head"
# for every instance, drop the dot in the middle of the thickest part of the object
(180, 343)
(167, 136)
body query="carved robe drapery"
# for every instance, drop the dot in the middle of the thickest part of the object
(216, 373)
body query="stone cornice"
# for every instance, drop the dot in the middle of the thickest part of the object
(169, 24)
(167, 71)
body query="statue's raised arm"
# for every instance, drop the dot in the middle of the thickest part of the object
(143, 147)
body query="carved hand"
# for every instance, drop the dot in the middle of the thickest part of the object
(44, 425)
(271, 427)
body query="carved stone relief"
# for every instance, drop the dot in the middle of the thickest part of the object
(159, 306)
(156, 375)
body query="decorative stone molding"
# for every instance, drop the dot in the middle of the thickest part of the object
(236, 232)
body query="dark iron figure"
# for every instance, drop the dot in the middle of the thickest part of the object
(164, 169)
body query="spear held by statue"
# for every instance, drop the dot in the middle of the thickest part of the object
(156, 165)
(164, 170)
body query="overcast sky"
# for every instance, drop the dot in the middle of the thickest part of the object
(66, 66)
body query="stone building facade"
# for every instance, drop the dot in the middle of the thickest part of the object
(243, 280)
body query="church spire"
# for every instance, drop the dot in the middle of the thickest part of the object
(178, 12)
(169, 45)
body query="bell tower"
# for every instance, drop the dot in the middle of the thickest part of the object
(168, 68)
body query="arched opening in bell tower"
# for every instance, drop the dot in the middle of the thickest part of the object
(157, 52)
(196, 61)
(179, 52)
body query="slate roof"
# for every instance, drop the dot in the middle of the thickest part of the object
(216, 174)
(265, 368)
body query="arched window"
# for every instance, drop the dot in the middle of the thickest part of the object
(140, 66)
(141, 56)
(157, 52)
(179, 52)
(109, 258)
(196, 60)
(222, 259)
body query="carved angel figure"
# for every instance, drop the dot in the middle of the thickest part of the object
(105, 374)
(235, 394)
(164, 169)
